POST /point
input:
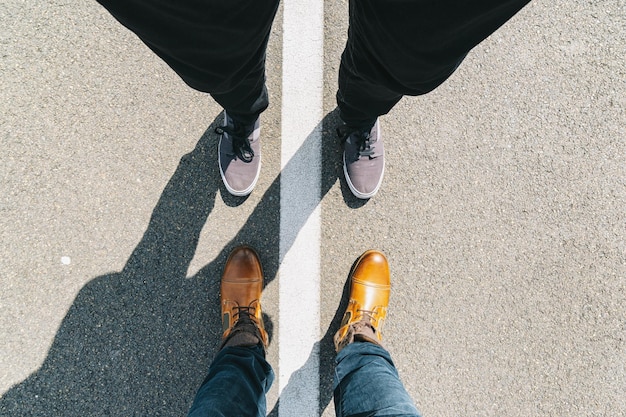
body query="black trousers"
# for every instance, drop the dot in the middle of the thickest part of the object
(394, 47)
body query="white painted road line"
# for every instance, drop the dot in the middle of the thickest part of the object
(300, 189)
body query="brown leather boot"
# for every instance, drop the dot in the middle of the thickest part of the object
(240, 297)
(369, 298)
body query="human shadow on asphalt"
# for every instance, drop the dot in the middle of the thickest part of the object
(139, 342)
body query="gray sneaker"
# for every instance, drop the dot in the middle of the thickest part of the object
(239, 156)
(363, 160)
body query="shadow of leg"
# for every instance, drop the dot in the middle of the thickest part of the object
(131, 340)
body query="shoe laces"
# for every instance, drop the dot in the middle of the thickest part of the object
(243, 315)
(361, 138)
(367, 316)
(239, 134)
(246, 329)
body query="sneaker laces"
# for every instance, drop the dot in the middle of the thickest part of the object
(239, 134)
(362, 138)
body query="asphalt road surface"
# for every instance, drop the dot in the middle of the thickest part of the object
(502, 212)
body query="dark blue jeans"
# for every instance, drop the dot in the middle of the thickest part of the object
(238, 380)
(366, 384)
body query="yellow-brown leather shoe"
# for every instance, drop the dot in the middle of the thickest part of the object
(369, 297)
(240, 297)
